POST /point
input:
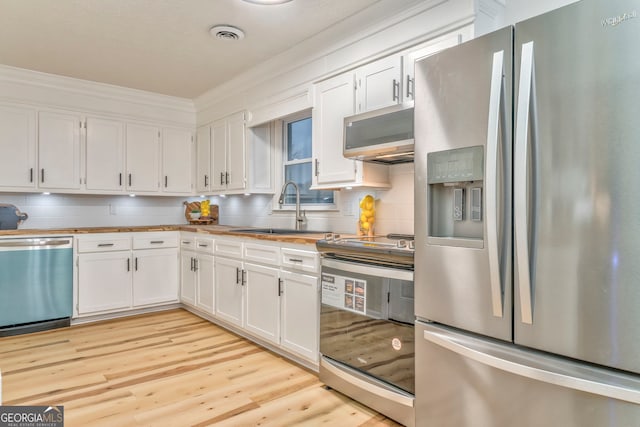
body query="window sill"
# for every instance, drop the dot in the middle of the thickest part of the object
(314, 208)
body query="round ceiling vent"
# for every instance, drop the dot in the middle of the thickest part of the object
(227, 32)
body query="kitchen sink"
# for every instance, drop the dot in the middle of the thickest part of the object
(275, 231)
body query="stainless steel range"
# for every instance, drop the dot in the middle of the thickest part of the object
(367, 321)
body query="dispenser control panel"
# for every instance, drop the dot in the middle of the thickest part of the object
(459, 165)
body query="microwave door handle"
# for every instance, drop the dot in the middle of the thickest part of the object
(525, 113)
(496, 104)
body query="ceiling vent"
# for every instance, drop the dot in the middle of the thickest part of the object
(226, 32)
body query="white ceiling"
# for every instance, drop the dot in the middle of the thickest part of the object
(162, 46)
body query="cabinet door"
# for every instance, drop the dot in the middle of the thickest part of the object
(379, 84)
(205, 279)
(334, 100)
(300, 314)
(228, 290)
(262, 309)
(18, 147)
(203, 159)
(219, 155)
(59, 150)
(104, 282)
(431, 47)
(176, 160)
(155, 276)
(105, 154)
(236, 143)
(187, 278)
(143, 157)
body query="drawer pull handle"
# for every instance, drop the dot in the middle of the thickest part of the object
(157, 242)
(203, 245)
(105, 245)
(184, 242)
(295, 260)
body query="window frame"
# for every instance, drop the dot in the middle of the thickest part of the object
(281, 138)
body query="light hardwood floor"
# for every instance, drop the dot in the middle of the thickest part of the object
(168, 369)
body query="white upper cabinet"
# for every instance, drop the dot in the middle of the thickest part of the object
(236, 145)
(426, 49)
(203, 159)
(17, 147)
(177, 149)
(219, 155)
(335, 100)
(379, 84)
(143, 157)
(228, 145)
(231, 159)
(59, 150)
(104, 154)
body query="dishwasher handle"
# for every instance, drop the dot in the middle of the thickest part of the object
(35, 242)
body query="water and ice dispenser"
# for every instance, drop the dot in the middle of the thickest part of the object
(455, 181)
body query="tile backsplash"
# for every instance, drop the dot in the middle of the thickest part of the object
(394, 209)
(65, 210)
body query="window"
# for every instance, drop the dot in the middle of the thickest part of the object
(297, 163)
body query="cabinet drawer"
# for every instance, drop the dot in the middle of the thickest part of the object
(297, 259)
(104, 243)
(155, 240)
(188, 242)
(205, 245)
(262, 253)
(230, 248)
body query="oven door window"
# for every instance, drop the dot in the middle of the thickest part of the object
(366, 322)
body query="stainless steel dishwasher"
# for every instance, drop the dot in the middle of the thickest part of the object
(36, 284)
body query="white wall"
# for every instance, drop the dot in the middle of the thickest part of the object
(70, 211)
(519, 10)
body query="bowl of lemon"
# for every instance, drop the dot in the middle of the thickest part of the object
(367, 216)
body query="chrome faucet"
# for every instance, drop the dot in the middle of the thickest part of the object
(300, 217)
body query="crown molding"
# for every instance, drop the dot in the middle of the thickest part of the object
(94, 90)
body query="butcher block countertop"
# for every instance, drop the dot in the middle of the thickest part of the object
(221, 230)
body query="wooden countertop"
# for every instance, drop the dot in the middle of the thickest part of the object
(204, 229)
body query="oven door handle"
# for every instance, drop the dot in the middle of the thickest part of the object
(367, 269)
(357, 379)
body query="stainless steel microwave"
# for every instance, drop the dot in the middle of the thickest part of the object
(380, 136)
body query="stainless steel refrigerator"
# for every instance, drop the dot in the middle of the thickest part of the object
(527, 277)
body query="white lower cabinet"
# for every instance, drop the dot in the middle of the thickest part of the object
(155, 276)
(300, 314)
(122, 271)
(197, 272)
(104, 282)
(205, 272)
(262, 302)
(269, 291)
(229, 280)
(188, 278)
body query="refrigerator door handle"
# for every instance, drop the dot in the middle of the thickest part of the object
(528, 365)
(520, 208)
(493, 137)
